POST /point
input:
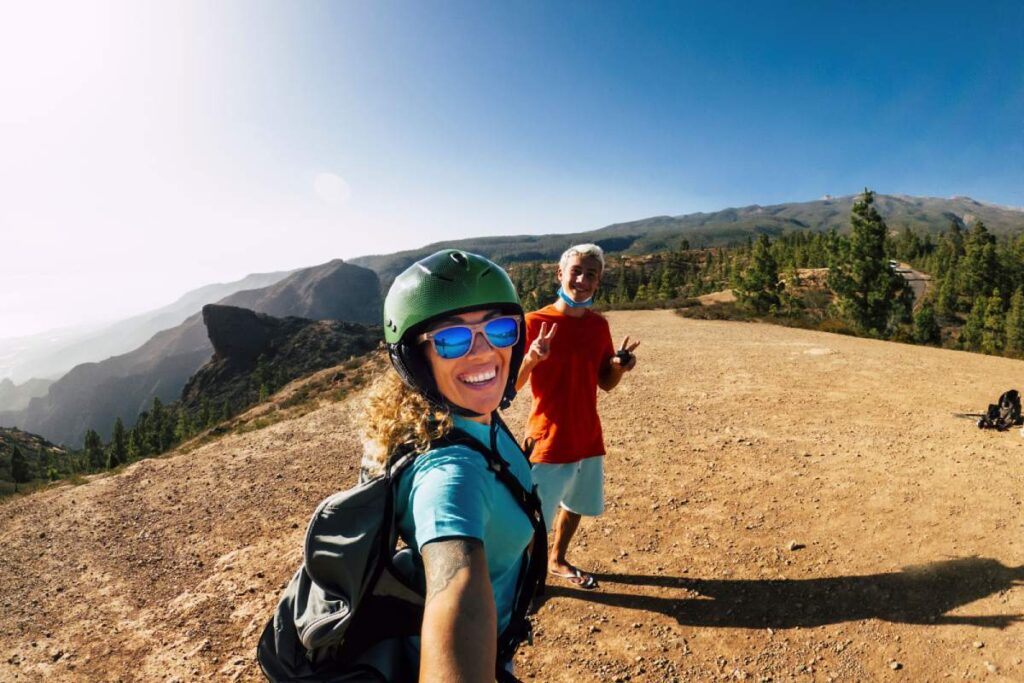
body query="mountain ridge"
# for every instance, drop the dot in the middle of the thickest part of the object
(50, 354)
(91, 395)
(931, 215)
(17, 396)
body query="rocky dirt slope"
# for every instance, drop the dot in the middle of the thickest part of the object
(782, 505)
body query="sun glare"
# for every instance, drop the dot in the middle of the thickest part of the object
(331, 188)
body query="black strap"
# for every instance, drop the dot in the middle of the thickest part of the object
(533, 570)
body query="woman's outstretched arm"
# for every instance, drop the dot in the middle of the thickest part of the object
(458, 642)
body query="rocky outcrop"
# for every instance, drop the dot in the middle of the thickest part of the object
(27, 442)
(240, 333)
(255, 352)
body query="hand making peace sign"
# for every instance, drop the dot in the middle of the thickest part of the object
(540, 349)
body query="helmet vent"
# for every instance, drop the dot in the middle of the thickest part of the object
(460, 259)
(485, 273)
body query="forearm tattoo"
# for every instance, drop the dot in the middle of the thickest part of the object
(443, 560)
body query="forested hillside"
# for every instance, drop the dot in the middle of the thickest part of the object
(923, 215)
(974, 300)
(25, 457)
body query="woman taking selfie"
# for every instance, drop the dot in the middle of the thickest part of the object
(453, 325)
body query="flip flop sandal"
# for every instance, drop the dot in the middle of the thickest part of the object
(577, 578)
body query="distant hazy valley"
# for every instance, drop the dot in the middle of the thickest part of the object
(93, 394)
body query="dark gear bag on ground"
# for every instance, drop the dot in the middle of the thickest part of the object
(348, 611)
(1003, 415)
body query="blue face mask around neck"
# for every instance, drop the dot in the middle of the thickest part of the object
(572, 304)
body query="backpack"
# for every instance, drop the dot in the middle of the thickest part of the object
(347, 611)
(1003, 415)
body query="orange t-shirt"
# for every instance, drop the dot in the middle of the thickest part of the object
(563, 418)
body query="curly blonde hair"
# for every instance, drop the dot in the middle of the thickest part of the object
(395, 415)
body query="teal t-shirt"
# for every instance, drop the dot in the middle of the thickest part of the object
(450, 493)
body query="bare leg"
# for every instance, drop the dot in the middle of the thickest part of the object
(564, 527)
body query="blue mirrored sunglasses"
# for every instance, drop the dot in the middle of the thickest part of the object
(456, 341)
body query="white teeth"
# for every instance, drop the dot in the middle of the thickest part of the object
(479, 377)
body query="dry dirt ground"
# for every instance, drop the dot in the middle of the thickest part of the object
(782, 505)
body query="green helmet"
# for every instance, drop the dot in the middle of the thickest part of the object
(445, 283)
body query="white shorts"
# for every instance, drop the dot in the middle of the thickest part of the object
(576, 486)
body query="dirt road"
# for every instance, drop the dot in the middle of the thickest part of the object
(919, 282)
(782, 505)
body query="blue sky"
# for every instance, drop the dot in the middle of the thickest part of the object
(166, 145)
(676, 108)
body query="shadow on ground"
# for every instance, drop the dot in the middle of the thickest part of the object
(920, 594)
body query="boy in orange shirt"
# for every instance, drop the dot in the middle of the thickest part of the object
(565, 370)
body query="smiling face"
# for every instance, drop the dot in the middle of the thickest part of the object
(477, 380)
(580, 277)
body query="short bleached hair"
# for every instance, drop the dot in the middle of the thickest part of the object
(586, 250)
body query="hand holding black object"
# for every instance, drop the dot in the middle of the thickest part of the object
(624, 359)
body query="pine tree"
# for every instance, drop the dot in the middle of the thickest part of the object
(19, 468)
(167, 434)
(709, 265)
(205, 415)
(621, 295)
(907, 246)
(1014, 330)
(225, 411)
(141, 431)
(951, 249)
(262, 377)
(946, 299)
(970, 335)
(43, 460)
(156, 427)
(926, 327)
(758, 286)
(979, 268)
(118, 452)
(994, 325)
(134, 450)
(183, 429)
(94, 450)
(666, 288)
(1013, 261)
(641, 293)
(869, 292)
